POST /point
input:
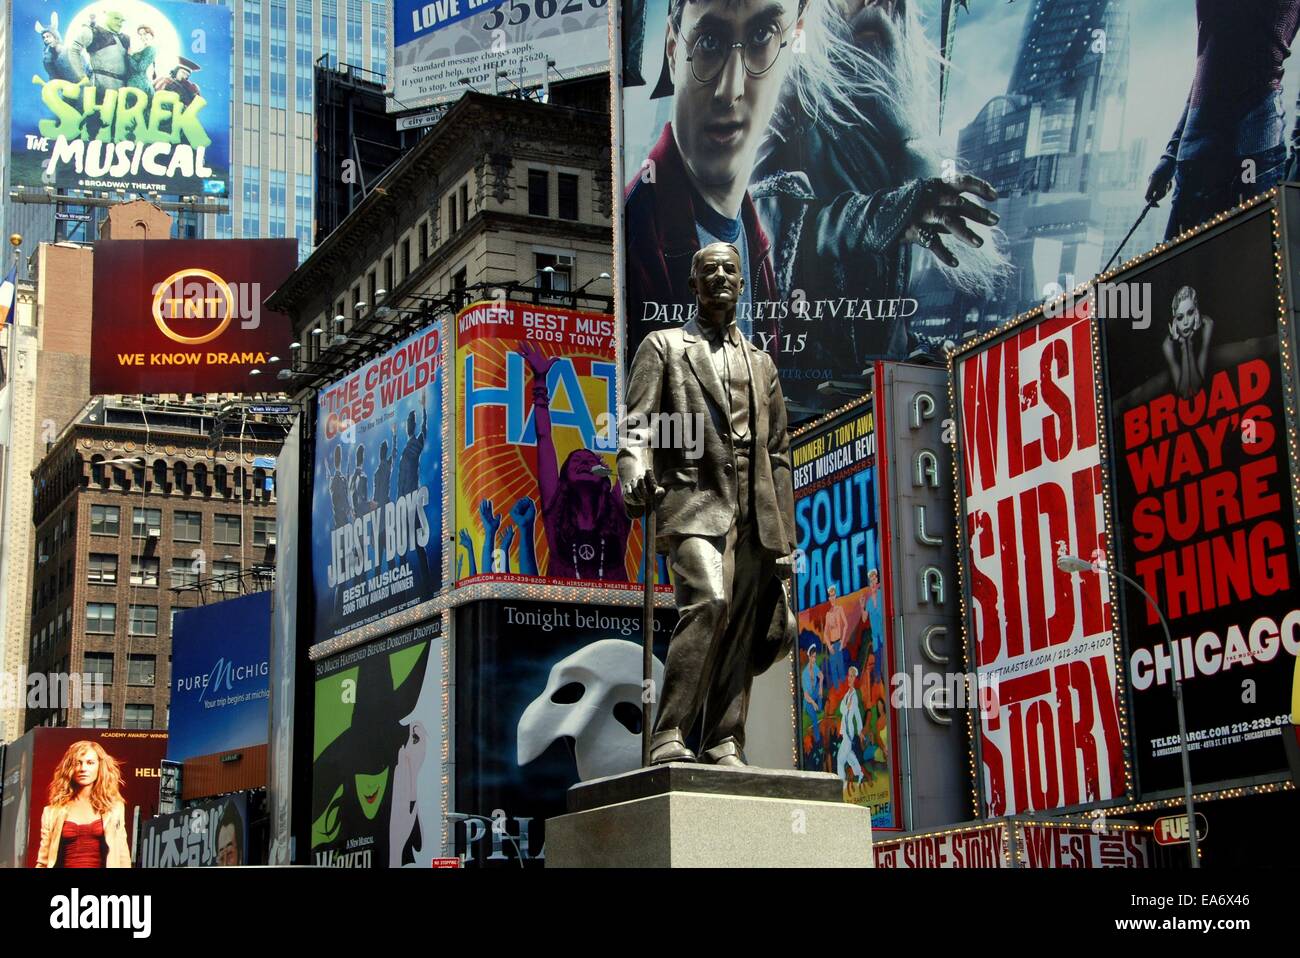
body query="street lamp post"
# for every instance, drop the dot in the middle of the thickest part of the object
(1071, 564)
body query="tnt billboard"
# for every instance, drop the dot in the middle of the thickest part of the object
(186, 316)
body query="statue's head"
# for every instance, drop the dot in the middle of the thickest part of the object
(716, 279)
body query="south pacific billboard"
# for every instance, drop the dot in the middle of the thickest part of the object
(379, 755)
(443, 47)
(377, 487)
(903, 175)
(537, 499)
(187, 316)
(1040, 639)
(1202, 484)
(120, 95)
(845, 651)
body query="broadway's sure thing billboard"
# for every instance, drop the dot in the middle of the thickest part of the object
(377, 492)
(220, 677)
(898, 175)
(186, 316)
(379, 754)
(443, 47)
(210, 833)
(1038, 638)
(845, 652)
(120, 95)
(31, 766)
(535, 438)
(1204, 503)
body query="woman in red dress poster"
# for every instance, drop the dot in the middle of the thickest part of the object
(84, 823)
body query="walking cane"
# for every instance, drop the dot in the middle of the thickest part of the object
(648, 613)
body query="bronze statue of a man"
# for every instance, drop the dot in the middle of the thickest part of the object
(725, 510)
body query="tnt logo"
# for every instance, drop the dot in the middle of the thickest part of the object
(194, 306)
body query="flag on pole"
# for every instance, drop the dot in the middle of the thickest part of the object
(7, 292)
(7, 295)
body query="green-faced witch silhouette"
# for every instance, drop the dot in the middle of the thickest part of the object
(358, 733)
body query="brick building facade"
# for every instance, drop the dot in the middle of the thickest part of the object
(140, 510)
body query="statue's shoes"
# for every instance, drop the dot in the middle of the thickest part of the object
(725, 753)
(669, 747)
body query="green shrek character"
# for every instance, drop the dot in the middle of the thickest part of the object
(105, 47)
(359, 735)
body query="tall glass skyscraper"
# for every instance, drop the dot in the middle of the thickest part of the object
(275, 45)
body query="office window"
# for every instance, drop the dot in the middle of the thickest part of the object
(101, 664)
(184, 574)
(554, 272)
(144, 620)
(95, 716)
(140, 670)
(452, 224)
(102, 568)
(568, 196)
(225, 530)
(138, 716)
(372, 288)
(187, 527)
(101, 618)
(464, 202)
(172, 627)
(263, 529)
(388, 273)
(144, 522)
(105, 520)
(406, 257)
(225, 577)
(144, 571)
(424, 241)
(539, 200)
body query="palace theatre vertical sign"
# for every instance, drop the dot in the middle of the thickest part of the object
(1030, 489)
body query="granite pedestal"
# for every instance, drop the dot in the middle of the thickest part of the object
(685, 815)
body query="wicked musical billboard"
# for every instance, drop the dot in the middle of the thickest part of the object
(120, 95)
(845, 652)
(537, 499)
(379, 753)
(377, 489)
(187, 316)
(1040, 639)
(1203, 496)
(901, 175)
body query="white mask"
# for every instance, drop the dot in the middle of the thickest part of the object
(608, 673)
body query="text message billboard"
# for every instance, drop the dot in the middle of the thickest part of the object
(443, 47)
(377, 491)
(1203, 495)
(120, 95)
(1039, 638)
(845, 649)
(187, 315)
(536, 498)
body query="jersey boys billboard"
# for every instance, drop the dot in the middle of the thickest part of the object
(845, 672)
(899, 175)
(441, 45)
(121, 94)
(1203, 489)
(377, 493)
(535, 443)
(1031, 489)
(186, 316)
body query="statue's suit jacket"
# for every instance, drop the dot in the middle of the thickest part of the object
(673, 372)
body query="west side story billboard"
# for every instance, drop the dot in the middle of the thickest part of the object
(443, 47)
(377, 488)
(1203, 503)
(1030, 489)
(901, 175)
(120, 95)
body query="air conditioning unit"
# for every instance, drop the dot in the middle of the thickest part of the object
(155, 532)
(43, 560)
(270, 540)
